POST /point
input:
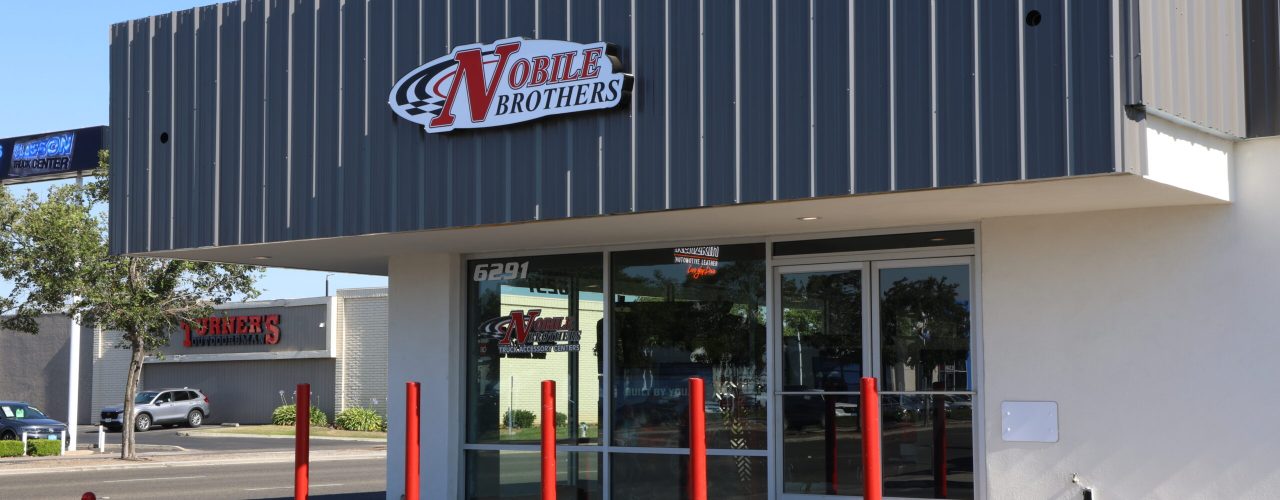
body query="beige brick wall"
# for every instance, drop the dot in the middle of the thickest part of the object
(110, 366)
(362, 348)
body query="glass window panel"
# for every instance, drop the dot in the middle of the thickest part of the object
(822, 331)
(924, 329)
(639, 476)
(689, 312)
(927, 445)
(533, 319)
(821, 445)
(517, 475)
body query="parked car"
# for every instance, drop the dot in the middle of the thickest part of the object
(161, 407)
(17, 417)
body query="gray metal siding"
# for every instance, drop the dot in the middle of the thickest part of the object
(1044, 56)
(1091, 105)
(1000, 95)
(227, 220)
(1262, 66)
(871, 139)
(118, 209)
(954, 54)
(247, 391)
(279, 129)
(831, 98)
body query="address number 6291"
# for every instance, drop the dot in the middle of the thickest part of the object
(498, 271)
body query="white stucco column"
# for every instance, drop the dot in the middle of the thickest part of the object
(425, 345)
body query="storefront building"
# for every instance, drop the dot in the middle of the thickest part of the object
(248, 358)
(1043, 225)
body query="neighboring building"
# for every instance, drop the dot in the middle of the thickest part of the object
(1046, 226)
(251, 359)
(35, 368)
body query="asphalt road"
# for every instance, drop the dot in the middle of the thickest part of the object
(333, 479)
(169, 437)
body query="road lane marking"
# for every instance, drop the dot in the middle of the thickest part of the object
(153, 479)
(291, 487)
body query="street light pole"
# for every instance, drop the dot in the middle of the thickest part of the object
(73, 373)
(326, 284)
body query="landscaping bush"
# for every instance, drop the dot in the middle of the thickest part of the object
(10, 448)
(523, 419)
(43, 447)
(284, 415)
(360, 419)
(561, 419)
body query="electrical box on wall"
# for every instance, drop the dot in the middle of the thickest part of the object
(1029, 421)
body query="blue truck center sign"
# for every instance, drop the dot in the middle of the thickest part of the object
(50, 156)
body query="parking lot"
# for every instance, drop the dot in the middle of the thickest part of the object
(181, 437)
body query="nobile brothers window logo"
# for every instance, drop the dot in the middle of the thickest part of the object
(510, 81)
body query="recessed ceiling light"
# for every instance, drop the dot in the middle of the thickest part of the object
(937, 238)
(262, 257)
(808, 218)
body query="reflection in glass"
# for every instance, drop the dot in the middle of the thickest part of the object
(638, 476)
(924, 329)
(927, 445)
(680, 313)
(821, 445)
(517, 474)
(822, 331)
(534, 319)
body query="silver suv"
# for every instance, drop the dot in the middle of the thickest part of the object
(161, 407)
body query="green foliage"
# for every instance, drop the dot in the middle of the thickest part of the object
(561, 419)
(10, 448)
(43, 447)
(523, 419)
(55, 254)
(285, 415)
(360, 419)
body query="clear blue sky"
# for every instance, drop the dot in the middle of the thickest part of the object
(56, 79)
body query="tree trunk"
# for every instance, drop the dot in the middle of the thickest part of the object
(130, 392)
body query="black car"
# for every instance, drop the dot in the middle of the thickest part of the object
(17, 417)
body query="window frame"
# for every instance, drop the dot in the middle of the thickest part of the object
(971, 252)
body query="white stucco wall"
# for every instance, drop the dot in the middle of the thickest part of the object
(425, 314)
(1154, 330)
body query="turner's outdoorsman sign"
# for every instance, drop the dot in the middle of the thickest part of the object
(233, 330)
(510, 81)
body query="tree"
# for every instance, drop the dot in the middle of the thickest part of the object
(55, 252)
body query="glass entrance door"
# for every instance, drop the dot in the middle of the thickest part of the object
(823, 355)
(909, 324)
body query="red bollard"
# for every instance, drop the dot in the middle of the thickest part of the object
(302, 439)
(870, 409)
(411, 441)
(697, 441)
(548, 440)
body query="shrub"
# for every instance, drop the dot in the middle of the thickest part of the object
(561, 419)
(360, 419)
(10, 448)
(523, 419)
(284, 415)
(43, 447)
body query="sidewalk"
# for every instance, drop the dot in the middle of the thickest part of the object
(105, 461)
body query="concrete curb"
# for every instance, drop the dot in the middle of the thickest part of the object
(202, 434)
